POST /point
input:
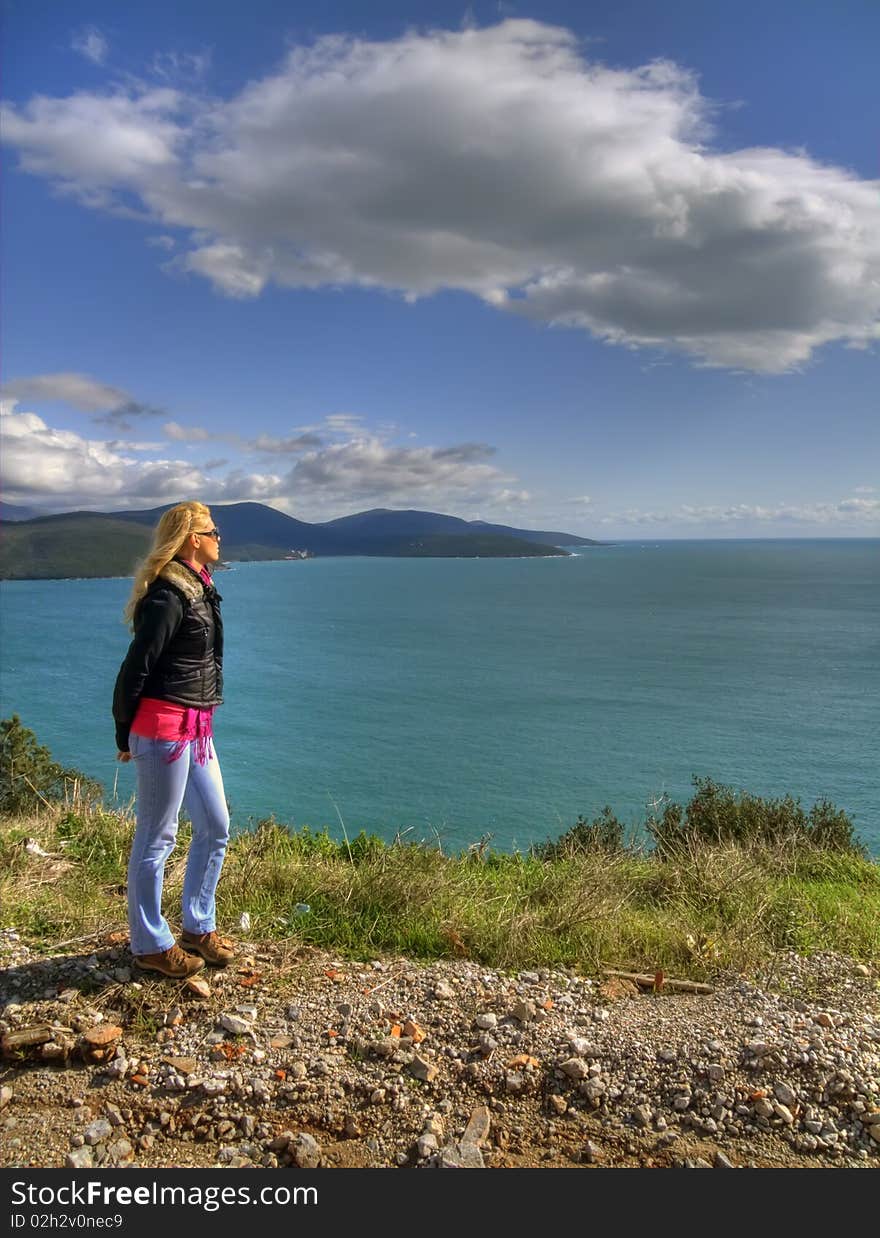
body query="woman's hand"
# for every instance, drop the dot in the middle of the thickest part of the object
(123, 756)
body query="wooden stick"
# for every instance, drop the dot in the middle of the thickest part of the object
(647, 982)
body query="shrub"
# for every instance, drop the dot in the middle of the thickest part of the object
(28, 775)
(603, 833)
(718, 814)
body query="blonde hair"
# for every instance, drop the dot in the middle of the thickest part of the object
(171, 532)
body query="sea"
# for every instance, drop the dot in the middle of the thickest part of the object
(460, 701)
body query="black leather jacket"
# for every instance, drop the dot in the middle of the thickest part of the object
(177, 651)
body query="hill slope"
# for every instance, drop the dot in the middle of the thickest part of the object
(108, 544)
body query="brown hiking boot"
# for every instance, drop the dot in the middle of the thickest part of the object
(171, 962)
(214, 949)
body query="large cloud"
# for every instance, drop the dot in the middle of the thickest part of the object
(497, 161)
(61, 469)
(369, 469)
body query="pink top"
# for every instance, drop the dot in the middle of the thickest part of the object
(165, 720)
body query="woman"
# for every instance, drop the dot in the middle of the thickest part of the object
(165, 694)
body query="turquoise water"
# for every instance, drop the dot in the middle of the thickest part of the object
(456, 698)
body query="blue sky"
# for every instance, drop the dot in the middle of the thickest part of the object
(612, 268)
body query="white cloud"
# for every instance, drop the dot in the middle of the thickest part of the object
(63, 469)
(161, 242)
(847, 511)
(496, 161)
(865, 490)
(368, 469)
(91, 44)
(580, 500)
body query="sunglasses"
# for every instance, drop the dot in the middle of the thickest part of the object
(209, 533)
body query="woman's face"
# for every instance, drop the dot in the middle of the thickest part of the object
(205, 541)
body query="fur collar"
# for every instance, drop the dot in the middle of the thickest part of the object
(184, 578)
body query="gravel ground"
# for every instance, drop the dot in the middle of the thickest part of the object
(290, 1057)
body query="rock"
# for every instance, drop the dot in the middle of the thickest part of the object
(306, 1151)
(524, 1012)
(479, 1124)
(198, 987)
(575, 1068)
(422, 1069)
(182, 1065)
(616, 988)
(581, 1047)
(97, 1131)
(461, 1155)
(121, 1151)
(557, 1103)
(487, 1021)
(426, 1145)
(783, 1112)
(5, 1096)
(79, 1158)
(642, 1115)
(592, 1089)
(784, 1095)
(716, 1072)
(824, 1019)
(236, 1025)
(443, 992)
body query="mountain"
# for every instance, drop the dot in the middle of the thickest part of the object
(383, 521)
(109, 543)
(9, 511)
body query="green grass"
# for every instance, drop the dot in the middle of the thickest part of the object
(701, 907)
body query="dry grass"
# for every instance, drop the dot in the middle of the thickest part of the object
(703, 908)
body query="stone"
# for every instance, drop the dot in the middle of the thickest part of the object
(479, 1124)
(182, 1065)
(461, 1155)
(575, 1068)
(487, 1021)
(306, 1151)
(236, 1025)
(524, 1011)
(581, 1047)
(5, 1096)
(422, 1069)
(121, 1151)
(426, 1145)
(784, 1095)
(97, 1131)
(79, 1158)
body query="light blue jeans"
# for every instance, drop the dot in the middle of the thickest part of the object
(162, 789)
